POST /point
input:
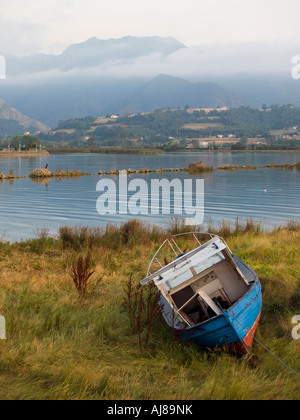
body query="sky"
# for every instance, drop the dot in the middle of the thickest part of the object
(49, 26)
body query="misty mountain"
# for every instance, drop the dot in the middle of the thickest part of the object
(92, 53)
(166, 91)
(13, 122)
(266, 89)
(136, 74)
(76, 97)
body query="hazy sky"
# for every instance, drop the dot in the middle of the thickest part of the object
(50, 25)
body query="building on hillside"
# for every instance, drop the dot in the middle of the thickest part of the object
(203, 144)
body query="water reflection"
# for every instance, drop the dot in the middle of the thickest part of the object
(266, 195)
(40, 181)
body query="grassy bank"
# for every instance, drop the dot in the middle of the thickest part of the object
(27, 154)
(62, 347)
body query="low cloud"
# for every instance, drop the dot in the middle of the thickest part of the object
(195, 63)
(208, 61)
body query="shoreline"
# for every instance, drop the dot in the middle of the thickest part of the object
(23, 154)
(223, 227)
(30, 154)
(231, 151)
(106, 151)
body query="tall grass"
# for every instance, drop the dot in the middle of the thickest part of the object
(60, 348)
(227, 229)
(143, 307)
(131, 232)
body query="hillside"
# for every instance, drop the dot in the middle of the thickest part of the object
(77, 97)
(274, 128)
(13, 122)
(167, 91)
(99, 77)
(135, 74)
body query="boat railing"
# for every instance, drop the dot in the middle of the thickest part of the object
(175, 248)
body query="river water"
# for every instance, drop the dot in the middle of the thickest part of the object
(266, 195)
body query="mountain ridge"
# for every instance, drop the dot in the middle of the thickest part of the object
(77, 97)
(13, 122)
(98, 77)
(93, 52)
(165, 91)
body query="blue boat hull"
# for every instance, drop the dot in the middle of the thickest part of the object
(235, 328)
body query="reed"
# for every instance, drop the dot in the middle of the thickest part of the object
(198, 168)
(40, 173)
(250, 167)
(235, 167)
(143, 307)
(46, 173)
(69, 174)
(10, 176)
(81, 273)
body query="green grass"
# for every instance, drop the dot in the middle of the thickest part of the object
(61, 347)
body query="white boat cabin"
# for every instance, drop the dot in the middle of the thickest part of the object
(200, 284)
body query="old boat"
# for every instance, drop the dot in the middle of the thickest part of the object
(208, 295)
